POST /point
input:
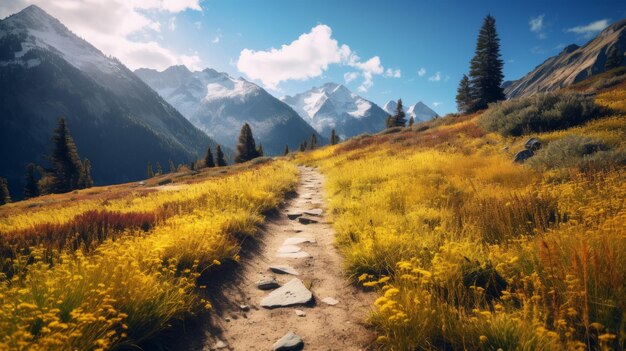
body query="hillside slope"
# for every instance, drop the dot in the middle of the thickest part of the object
(571, 65)
(219, 105)
(117, 121)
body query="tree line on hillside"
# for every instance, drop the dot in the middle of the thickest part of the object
(67, 172)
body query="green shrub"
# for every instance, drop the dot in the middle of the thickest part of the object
(540, 113)
(576, 151)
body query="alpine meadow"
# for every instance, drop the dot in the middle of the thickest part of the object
(278, 175)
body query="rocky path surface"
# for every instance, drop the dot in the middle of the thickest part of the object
(291, 293)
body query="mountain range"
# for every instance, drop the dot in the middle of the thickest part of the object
(419, 111)
(333, 106)
(219, 105)
(573, 64)
(117, 121)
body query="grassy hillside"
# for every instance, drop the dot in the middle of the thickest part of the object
(470, 251)
(110, 267)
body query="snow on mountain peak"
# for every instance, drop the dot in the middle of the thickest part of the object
(419, 111)
(40, 30)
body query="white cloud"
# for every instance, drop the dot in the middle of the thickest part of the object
(171, 23)
(421, 72)
(437, 103)
(216, 39)
(435, 78)
(350, 76)
(110, 24)
(393, 73)
(307, 57)
(589, 30)
(537, 26)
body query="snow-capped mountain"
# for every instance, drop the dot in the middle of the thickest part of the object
(219, 105)
(333, 106)
(419, 111)
(117, 121)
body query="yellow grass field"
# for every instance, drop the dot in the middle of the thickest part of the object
(469, 251)
(119, 281)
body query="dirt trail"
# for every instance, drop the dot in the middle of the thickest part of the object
(324, 327)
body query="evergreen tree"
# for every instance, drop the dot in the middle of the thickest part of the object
(192, 165)
(171, 166)
(159, 169)
(313, 143)
(334, 138)
(246, 148)
(389, 122)
(260, 150)
(399, 120)
(464, 95)
(67, 170)
(86, 179)
(286, 150)
(31, 187)
(486, 67)
(150, 171)
(303, 146)
(221, 160)
(411, 121)
(5, 196)
(614, 58)
(208, 158)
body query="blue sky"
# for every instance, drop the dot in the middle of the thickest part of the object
(371, 42)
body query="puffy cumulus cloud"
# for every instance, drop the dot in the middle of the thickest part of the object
(350, 76)
(537, 26)
(421, 72)
(435, 78)
(393, 73)
(307, 57)
(589, 30)
(110, 24)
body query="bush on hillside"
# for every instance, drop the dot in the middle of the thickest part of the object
(540, 113)
(577, 151)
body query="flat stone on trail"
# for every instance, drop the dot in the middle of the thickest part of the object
(267, 284)
(290, 341)
(288, 249)
(297, 241)
(314, 212)
(219, 345)
(284, 269)
(306, 220)
(330, 301)
(294, 215)
(291, 294)
(300, 313)
(299, 254)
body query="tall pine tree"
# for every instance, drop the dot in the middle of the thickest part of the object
(208, 158)
(398, 119)
(260, 151)
(464, 95)
(31, 187)
(313, 143)
(149, 170)
(219, 155)
(5, 196)
(86, 181)
(486, 67)
(66, 168)
(246, 147)
(334, 138)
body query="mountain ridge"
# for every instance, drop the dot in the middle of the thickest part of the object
(334, 106)
(573, 64)
(49, 73)
(219, 105)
